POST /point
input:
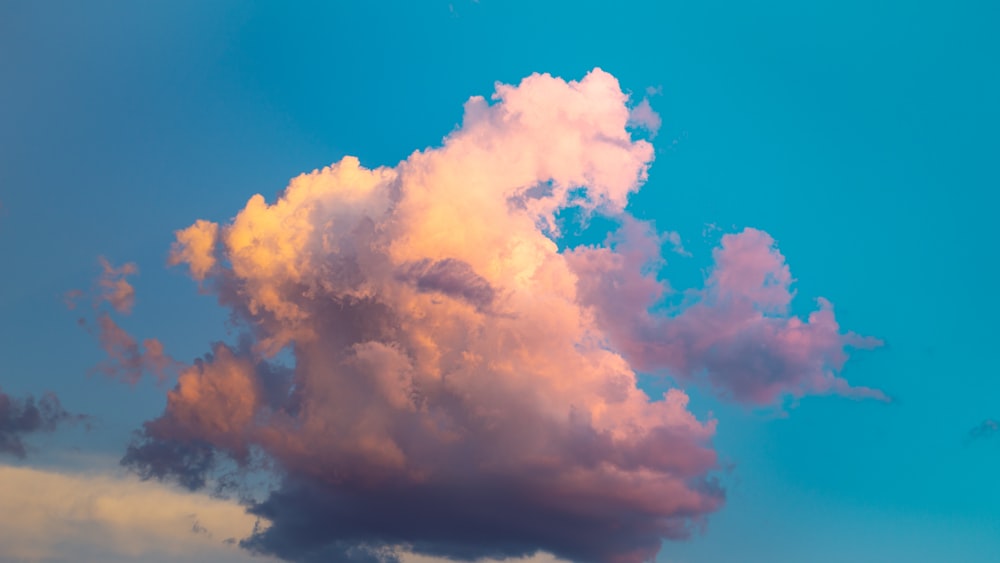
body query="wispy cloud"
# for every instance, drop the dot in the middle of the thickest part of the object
(127, 359)
(114, 285)
(643, 115)
(985, 429)
(20, 417)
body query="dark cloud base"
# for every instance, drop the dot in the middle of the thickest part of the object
(315, 522)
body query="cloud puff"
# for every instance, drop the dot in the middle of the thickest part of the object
(461, 387)
(48, 516)
(194, 247)
(126, 360)
(643, 115)
(985, 429)
(736, 332)
(115, 288)
(20, 417)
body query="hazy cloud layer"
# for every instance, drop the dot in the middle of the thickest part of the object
(461, 387)
(47, 516)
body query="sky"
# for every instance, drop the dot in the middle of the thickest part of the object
(418, 281)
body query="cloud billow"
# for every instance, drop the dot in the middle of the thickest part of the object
(461, 387)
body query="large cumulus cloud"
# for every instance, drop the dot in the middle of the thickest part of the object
(460, 386)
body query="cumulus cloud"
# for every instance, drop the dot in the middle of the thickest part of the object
(462, 388)
(194, 247)
(50, 516)
(21, 417)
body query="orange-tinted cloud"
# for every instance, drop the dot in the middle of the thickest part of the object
(127, 359)
(114, 287)
(461, 387)
(194, 247)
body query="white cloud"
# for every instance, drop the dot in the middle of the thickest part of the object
(50, 516)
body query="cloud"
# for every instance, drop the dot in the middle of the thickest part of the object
(462, 388)
(194, 247)
(736, 332)
(127, 360)
(985, 429)
(115, 289)
(643, 115)
(48, 516)
(20, 417)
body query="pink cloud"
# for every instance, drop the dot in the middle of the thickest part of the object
(736, 332)
(440, 351)
(643, 115)
(127, 359)
(114, 288)
(460, 386)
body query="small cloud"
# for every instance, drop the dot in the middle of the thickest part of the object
(47, 515)
(710, 229)
(984, 430)
(127, 359)
(115, 289)
(197, 528)
(674, 238)
(71, 297)
(20, 417)
(644, 116)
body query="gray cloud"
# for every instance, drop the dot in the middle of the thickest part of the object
(20, 417)
(985, 429)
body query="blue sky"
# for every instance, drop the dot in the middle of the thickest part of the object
(860, 136)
